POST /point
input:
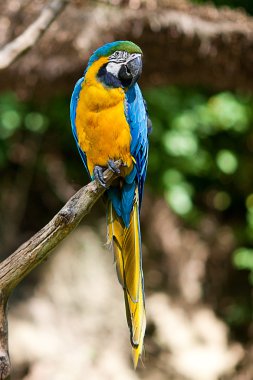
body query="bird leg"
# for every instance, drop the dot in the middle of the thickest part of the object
(98, 175)
(98, 171)
(113, 167)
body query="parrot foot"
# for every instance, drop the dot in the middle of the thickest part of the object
(98, 172)
(98, 175)
(113, 167)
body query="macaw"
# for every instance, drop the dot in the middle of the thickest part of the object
(110, 122)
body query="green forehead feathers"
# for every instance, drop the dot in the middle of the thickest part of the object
(127, 46)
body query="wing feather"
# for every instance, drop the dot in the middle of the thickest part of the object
(73, 106)
(136, 113)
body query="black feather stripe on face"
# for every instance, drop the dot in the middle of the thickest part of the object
(108, 79)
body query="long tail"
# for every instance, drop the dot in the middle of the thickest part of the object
(126, 243)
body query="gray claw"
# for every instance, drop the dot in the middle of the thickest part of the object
(113, 167)
(98, 175)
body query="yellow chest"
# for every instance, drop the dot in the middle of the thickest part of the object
(102, 129)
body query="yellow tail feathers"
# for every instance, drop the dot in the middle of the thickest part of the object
(127, 252)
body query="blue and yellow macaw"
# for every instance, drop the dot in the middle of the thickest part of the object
(110, 122)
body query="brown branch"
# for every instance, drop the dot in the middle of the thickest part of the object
(37, 248)
(10, 52)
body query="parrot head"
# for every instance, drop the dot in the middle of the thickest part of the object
(121, 66)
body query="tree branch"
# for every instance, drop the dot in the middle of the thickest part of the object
(10, 52)
(36, 250)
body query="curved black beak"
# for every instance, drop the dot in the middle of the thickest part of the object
(135, 68)
(130, 72)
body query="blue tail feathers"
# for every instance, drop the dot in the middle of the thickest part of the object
(123, 199)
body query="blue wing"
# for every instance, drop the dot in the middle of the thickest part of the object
(73, 105)
(136, 113)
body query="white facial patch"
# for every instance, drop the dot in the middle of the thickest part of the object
(113, 68)
(119, 56)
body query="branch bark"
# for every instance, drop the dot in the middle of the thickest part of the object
(10, 52)
(37, 249)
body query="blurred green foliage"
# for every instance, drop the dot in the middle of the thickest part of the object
(201, 158)
(48, 121)
(14, 117)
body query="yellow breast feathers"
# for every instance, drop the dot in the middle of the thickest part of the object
(102, 129)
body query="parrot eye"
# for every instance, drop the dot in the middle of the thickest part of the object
(118, 56)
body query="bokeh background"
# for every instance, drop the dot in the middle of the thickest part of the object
(67, 319)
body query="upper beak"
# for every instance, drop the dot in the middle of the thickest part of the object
(130, 71)
(135, 68)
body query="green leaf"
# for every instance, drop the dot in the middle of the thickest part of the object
(243, 258)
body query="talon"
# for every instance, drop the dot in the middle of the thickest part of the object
(98, 175)
(113, 167)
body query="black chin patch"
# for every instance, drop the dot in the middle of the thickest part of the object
(108, 79)
(125, 76)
